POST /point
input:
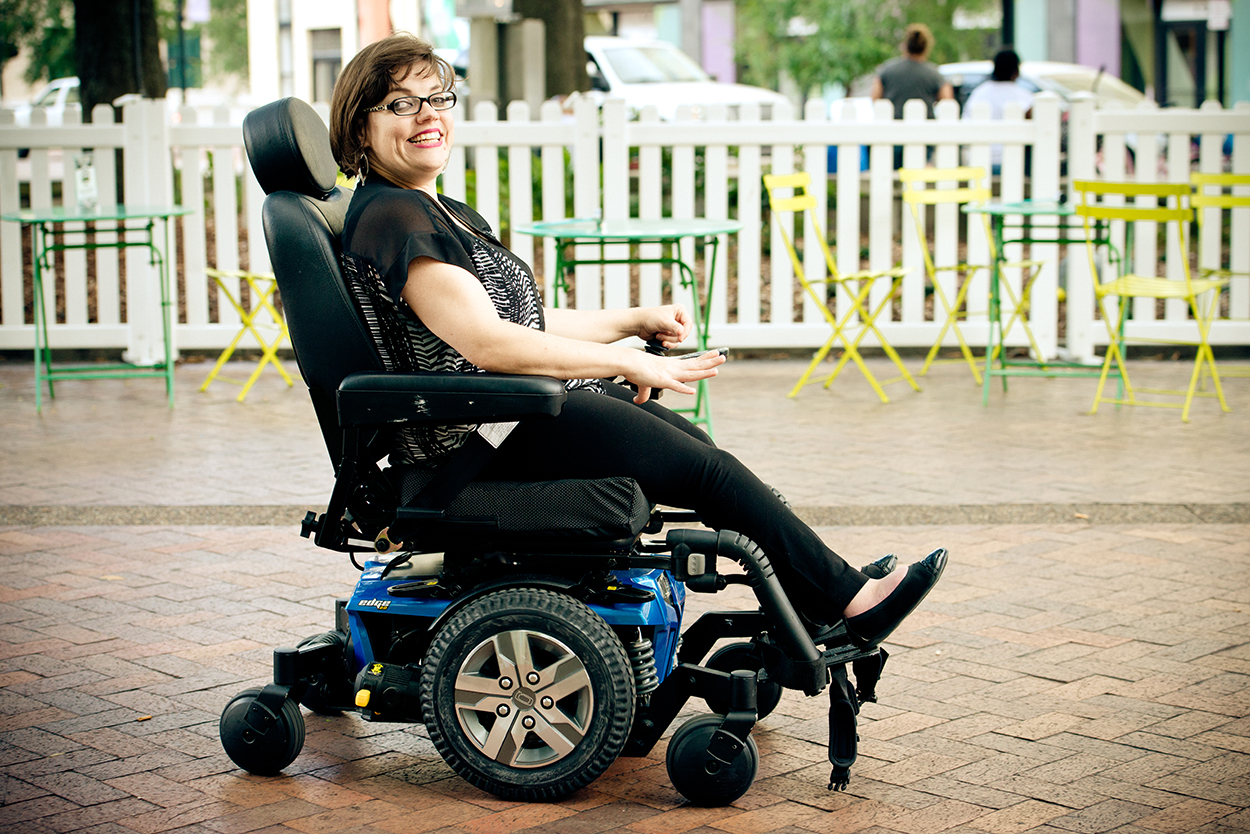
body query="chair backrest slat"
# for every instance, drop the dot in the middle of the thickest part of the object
(964, 173)
(940, 196)
(802, 202)
(1133, 189)
(1222, 180)
(1131, 213)
(799, 180)
(1200, 200)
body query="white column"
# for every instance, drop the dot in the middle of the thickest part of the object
(262, 49)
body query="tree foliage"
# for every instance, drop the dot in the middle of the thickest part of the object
(47, 27)
(223, 38)
(819, 42)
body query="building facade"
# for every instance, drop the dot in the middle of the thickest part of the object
(298, 47)
(1181, 52)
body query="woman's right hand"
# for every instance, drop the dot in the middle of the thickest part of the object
(671, 373)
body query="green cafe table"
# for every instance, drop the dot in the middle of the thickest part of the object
(666, 231)
(1014, 223)
(133, 226)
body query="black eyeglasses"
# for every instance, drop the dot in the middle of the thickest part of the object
(408, 105)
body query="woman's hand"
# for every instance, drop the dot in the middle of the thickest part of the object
(671, 372)
(670, 325)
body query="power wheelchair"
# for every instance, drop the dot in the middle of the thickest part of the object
(532, 627)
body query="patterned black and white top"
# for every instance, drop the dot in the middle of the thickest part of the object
(386, 228)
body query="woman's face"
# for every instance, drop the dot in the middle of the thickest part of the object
(410, 150)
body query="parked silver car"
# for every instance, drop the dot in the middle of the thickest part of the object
(1036, 76)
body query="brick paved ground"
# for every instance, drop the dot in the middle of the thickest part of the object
(1068, 676)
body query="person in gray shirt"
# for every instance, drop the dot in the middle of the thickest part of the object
(912, 75)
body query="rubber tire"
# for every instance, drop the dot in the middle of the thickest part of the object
(314, 698)
(687, 765)
(737, 656)
(263, 755)
(586, 635)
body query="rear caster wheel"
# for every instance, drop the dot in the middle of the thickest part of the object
(527, 694)
(743, 656)
(258, 739)
(702, 779)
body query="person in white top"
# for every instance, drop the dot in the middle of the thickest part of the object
(998, 91)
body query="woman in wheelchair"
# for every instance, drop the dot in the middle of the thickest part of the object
(526, 621)
(463, 303)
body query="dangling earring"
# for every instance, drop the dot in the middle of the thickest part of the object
(362, 171)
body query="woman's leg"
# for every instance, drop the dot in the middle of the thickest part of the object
(675, 464)
(620, 392)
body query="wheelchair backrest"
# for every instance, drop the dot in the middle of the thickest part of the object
(288, 146)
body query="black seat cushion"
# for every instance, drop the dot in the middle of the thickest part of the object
(603, 510)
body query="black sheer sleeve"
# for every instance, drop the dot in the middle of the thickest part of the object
(391, 226)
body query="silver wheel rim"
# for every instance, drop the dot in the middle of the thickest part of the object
(524, 699)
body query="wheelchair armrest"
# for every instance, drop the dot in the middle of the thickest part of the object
(373, 398)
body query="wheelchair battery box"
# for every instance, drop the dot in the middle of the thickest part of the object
(389, 692)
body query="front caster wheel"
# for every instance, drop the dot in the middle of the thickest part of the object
(702, 779)
(527, 694)
(258, 739)
(743, 656)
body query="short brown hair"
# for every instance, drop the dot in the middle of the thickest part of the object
(365, 81)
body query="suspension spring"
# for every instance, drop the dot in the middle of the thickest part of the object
(642, 660)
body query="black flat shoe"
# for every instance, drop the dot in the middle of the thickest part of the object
(882, 567)
(877, 623)
(822, 632)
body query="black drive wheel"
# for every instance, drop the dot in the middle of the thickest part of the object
(256, 738)
(743, 656)
(702, 779)
(527, 694)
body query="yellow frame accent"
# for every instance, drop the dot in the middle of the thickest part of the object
(262, 289)
(858, 284)
(1132, 285)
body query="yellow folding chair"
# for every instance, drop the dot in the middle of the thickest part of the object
(1161, 203)
(262, 289)
(925, 187)
(858, 285)
(1215, 192)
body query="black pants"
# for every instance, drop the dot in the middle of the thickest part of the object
(676, 464)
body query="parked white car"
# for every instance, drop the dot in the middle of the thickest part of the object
(656, 72)
(52, 99)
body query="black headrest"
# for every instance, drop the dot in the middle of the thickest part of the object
(289, 147)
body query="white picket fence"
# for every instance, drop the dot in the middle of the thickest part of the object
(684, 168)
